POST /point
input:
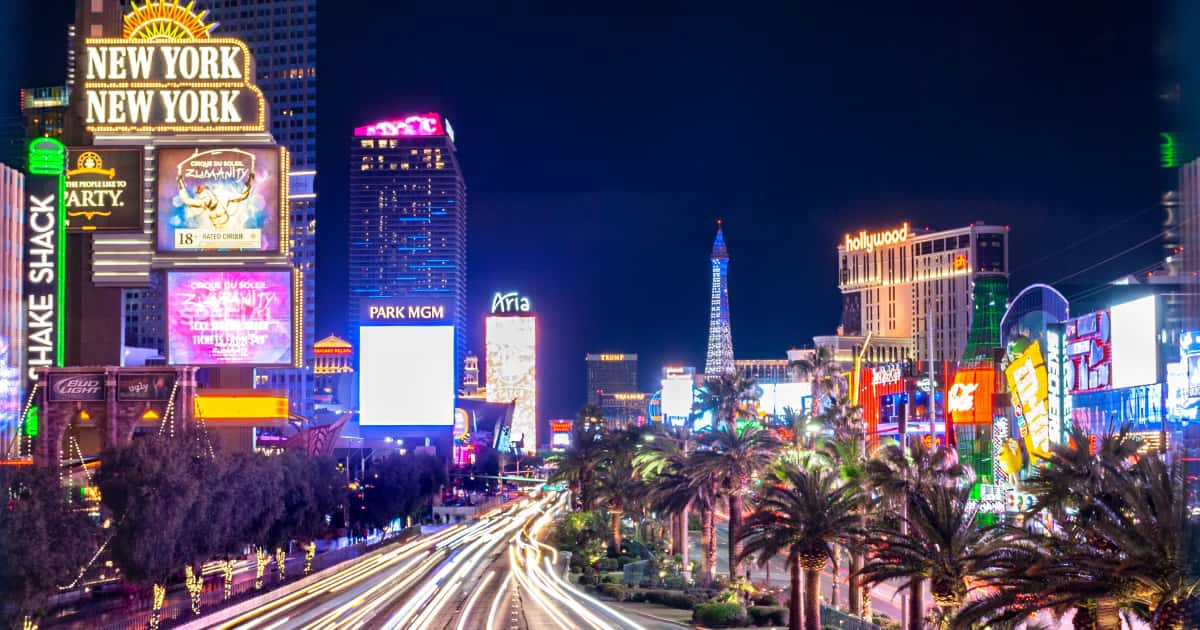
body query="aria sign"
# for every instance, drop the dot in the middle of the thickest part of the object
(45, 248)
(865, 241)
(189, 86)
(509, 303)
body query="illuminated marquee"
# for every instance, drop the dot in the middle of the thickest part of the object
(161, 85)
(865, 241)
(1088, 348)
(429, 124)
(512, 372)
(1027, 382)
(45, 250)
(612, 357)
(406, 313)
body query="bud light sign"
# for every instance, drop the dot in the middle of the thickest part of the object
(76, 387)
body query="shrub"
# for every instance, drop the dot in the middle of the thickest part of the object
(766, 598)
(884, 621)
(608, 564)
(615, 591)
(768, 615)
(623, 560)
(720, 615)
(615, 577)
(670, 599)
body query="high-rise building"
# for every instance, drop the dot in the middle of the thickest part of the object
(12, 236)
(719, 359)
(611, 373)
(282, 35)
(904, 284)
(408, 218)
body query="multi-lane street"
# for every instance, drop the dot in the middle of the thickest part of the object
(490, 574)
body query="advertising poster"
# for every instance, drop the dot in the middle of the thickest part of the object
(76, 387)
(970, 397)
(136, 387)
(104, 189)
(229, 317)
(1026, 376)
(219, 200)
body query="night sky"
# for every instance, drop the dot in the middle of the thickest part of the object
(601, 144)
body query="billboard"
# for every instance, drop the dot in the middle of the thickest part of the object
(406, 375)
(220, 199)
(512, 372)
(44, 286)
(104, 189)
(76, 387)
(1088, 350)
(229, 318)
(970, 397)
(776, 398)
(677, 397)
(140, 387)
(175, 82)
(1189, 351)
(1027, 382)
(1134, 343)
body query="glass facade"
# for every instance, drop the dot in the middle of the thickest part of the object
(408, 225)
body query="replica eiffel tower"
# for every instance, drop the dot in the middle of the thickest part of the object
(720, 340)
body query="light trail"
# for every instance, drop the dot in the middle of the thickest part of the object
(466, 612)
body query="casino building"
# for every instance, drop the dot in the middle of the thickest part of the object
(905, 283)
(408, 218)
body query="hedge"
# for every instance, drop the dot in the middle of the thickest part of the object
(615, 591)
(720, 615)
(768, 615)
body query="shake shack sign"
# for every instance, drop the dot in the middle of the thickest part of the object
(76, 387)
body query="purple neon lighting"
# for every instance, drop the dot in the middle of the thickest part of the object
(429, 124)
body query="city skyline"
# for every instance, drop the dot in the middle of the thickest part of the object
(1045, 166)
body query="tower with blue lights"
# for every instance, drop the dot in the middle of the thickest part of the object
(720, 339)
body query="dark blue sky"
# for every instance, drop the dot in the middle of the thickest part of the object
(600, 143)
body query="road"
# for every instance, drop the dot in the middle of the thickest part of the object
(490, 574)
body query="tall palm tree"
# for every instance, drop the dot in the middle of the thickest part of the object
(822, 372)
(896, 475)
(617, 483)
(576, 466)
(846, 455)
(727, 397)
(937, 539)
(662, 465)
(733, 458)
(803, 514)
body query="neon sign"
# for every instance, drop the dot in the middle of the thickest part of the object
(612, 357)
(969, 399)
(511, 302)
(45, 250)
(429, 124)
(962, 397)
(865, 241)
(886, 374)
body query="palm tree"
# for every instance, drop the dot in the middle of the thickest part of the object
(846, 455)
(726, 396)
(1126, 541)
(897, 475)
(937, 539)
(617, 483)
(803, 515)
(822, 372)
(733, 458)
(576, 466)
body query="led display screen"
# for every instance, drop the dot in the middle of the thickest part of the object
(219, 199)
(677, 397)
(1134, 343)
(512, 372)
(777, 398)
(104, 189)
(970, 397)
(406, 375)
(229, 317)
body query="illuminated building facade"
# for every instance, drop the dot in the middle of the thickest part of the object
(719, 359)
(12, 229)
(408, 217)
(511, 370)
(333, 369)
(623, 409)
(903, 283)
(610, 373)
(282, 34)
(43, 113)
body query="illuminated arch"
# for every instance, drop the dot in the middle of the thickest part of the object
(159, 20)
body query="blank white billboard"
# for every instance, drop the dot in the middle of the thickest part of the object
(778, 397)
(1134, 343)
(677, 397)
(406, 375)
